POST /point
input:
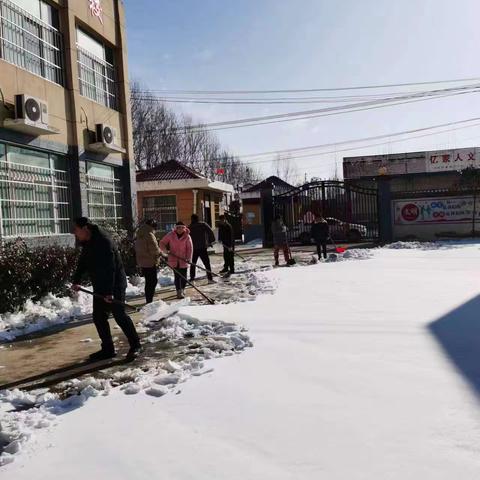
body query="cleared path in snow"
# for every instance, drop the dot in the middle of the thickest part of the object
(346, 381)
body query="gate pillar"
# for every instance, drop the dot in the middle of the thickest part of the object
(267, 216)
(385, 209)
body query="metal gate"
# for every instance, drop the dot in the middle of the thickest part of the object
(351, 211)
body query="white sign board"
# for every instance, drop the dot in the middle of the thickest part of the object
(423, 211)
(448, 160)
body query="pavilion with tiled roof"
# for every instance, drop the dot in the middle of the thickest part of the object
(172, 191)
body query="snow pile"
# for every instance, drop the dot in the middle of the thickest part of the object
(24, 413)
(217, 337)
(53, 310)
(354, 254)
(49, 311)
(357, 254)
(242, 287)
(414, 245)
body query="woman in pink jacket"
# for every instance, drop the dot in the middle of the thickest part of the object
(178, 245)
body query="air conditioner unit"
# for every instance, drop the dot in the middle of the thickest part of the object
(31, 116)
(106, 140)
(31, 109)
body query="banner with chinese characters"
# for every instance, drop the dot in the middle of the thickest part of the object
(448, 160)
(435, 210)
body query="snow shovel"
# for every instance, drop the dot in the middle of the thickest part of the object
(337, 249)
(116, 302)
(198, 266)
(206, 297)
(292, 261)
(234, 252)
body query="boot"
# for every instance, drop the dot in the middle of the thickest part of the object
(211, 281)
(134, 352)
(102, 355)
(180, 294)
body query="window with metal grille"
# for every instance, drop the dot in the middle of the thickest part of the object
(105, 194)
(32, 40)
(163, 209)
(96, 70)
(34, 193)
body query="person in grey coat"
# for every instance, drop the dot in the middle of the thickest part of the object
(280, 241)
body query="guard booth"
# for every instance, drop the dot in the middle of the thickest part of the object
(351, 211)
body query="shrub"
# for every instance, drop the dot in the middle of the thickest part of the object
(29, 272)
(125, 243)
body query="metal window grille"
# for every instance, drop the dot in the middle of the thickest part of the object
(34, 201)
(105, 200)
(97, 79)
(163, 209)
(30, 43)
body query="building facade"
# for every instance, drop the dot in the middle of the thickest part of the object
(65, 123)
(425, 195)
(171, 192)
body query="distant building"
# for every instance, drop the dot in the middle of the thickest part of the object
(252, 205)
(171, 191)
(428, 200)
(414, 171)
(65, 124)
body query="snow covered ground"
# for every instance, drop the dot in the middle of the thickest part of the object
(360, 370)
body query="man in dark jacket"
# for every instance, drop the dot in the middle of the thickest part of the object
(202, 237)
(320, 234)
(280, 241)
(226, 238)
(101, 260)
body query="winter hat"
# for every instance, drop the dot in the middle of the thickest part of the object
(82, 222)
(152, 223)
(179, 224)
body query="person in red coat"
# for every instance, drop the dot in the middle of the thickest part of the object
(178, 245)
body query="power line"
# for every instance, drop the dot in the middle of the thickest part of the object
(147, 96)
(305, 114)
(358, 140)
(363, 146)
(308, 117)
(308, 90)
(365, 139)
(336, 161)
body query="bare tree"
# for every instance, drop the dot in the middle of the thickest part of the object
(286, 169)
(160, 135)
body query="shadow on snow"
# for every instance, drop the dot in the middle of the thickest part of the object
(458, 333)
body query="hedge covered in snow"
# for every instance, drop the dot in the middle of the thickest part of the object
(30, 273)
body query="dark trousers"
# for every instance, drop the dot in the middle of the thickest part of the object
(203, 255)
(151, 280)
(180, 282)
(229, 260)
(286, 252)
(101, 312)
(322, 248)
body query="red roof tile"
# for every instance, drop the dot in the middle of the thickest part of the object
(171, 170)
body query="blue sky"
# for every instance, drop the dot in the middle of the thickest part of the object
(295, 44)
